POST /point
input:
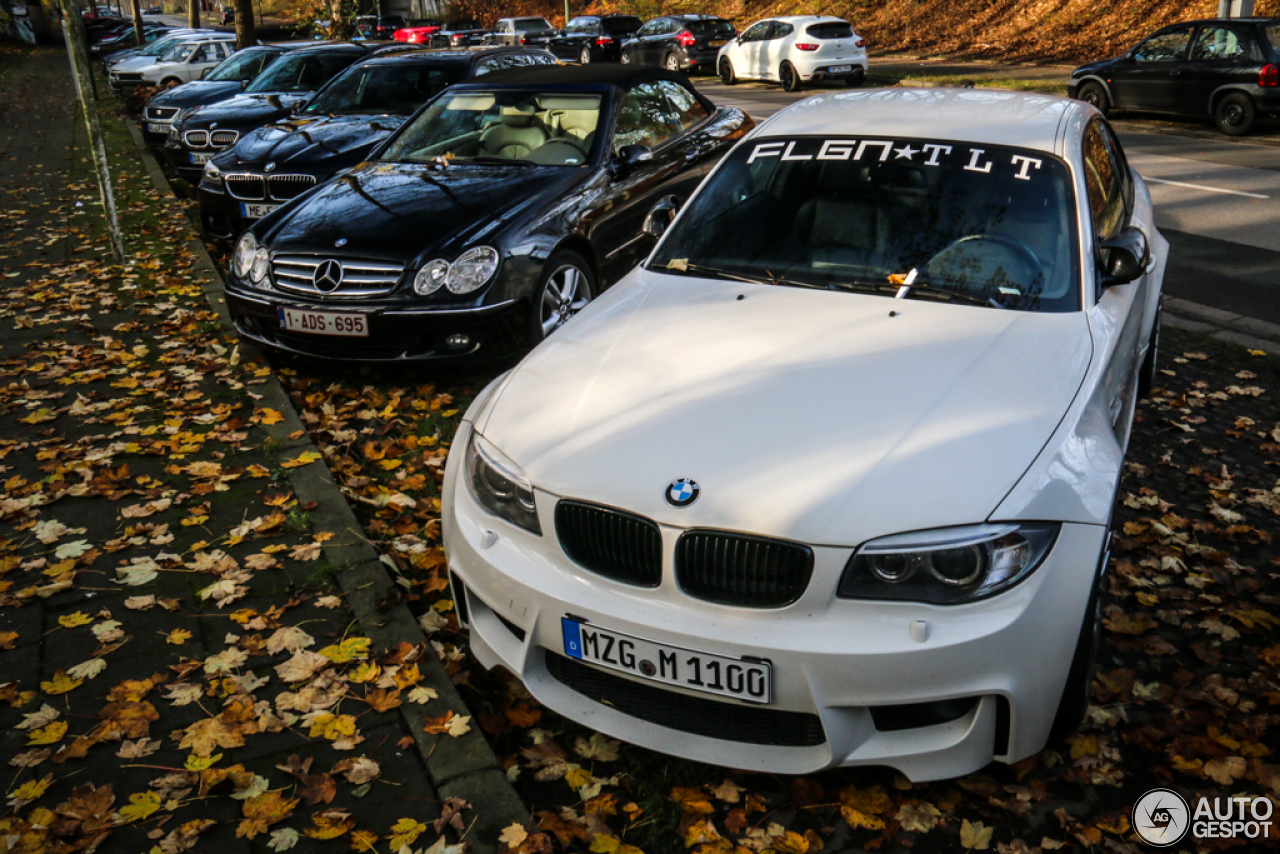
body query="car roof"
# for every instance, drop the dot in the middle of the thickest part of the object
(695, 17)
(428, 55)
(806, 19)
(995, 116)
(350, 47)
(622, 76)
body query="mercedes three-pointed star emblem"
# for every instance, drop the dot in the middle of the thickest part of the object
(328, 276)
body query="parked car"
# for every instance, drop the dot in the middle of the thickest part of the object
(373, 27)
(159, 47)
(461, 33)
(913, 584)
(336, 130)
(594, 38)
(527, 31)
(484, 223)
(795, 50)
(226, 14)
(226, 81)
(189, 59)
(154, 10)
(128, 38)
(417, 31)
(1227, 71)
(286, 84)
(680, 42)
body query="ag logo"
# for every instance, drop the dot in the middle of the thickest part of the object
(682, 492)
(1161, 817)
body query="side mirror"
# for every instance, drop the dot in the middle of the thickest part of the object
(244, 84)
(660, 216)
(1124, 257)
(630, 155)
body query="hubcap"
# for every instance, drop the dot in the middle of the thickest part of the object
(586, 56)
(1234, 114)
(565, 295)
(673, 63)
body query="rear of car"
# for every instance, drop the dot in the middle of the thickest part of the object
(698, 44)
(459, 33)
(417, 31)
(828, 48)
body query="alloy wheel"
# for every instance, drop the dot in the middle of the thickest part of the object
(585, 56)
(566, 293)
(673, 62)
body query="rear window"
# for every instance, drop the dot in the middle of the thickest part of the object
(719, 27)
(532, 25)
(1273, 35)
(830, 30)
(461, 25)
(620, 25)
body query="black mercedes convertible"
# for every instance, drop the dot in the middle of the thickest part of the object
(483, 223)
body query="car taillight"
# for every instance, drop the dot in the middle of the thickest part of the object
(1269, 75)
(604, 41)
(686, 38)
(860, 43)
(806, 46)
(523, 40)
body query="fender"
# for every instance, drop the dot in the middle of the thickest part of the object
(1094, 78)
(1217, 94)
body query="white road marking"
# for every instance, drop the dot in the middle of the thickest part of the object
(1150, 180)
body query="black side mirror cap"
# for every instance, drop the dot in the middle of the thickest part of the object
(660, 216)
(1124, 257)
(628, 156)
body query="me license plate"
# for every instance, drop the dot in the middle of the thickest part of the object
(718, 42)
(255, 210)
(841, 69)
(199, 158)
(157, 127)
(747, 679)
(323, 322)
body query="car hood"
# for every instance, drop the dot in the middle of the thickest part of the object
(245, 110)
(1093, 67)
(823, 417)
(329, 143)
(196, 93)
(387, 211)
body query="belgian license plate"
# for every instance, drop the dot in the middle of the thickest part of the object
(841, 69)
(746, 679)
(156, 127)
(198, 158)
(255, 210)
(718, 42)
(323, 322)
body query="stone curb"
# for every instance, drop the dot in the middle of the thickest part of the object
(463, 767)
(1222, 325)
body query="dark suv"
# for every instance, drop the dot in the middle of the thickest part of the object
(1225, 70)
(680, 42)
(594, 38)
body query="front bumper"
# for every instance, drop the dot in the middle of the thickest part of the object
(179, 158)
(833, 660)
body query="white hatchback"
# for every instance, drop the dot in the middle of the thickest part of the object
(182, 63)
(795, 50)
(828, 479)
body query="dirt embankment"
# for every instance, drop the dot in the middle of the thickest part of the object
(1021, 30)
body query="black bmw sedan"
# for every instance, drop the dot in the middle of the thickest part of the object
(1228, 71)
(337, 129)
(285, 84)
(483, 224)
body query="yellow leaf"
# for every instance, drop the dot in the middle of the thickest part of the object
(389, 464)
(578, 777)
(601, 844)
(301, 460)
(177, 637)
(141, 805)
(1257, 352)
(192, 521)
(61, 683)
(201, 763)
(513, 835)
(350, 648)
(366, 672)
(330, 824)
(270, 416)
(333, 727)
(70, 621)
(975, 835)
(50, 734)
(405, 832)
(1083, 745)
(31, 790)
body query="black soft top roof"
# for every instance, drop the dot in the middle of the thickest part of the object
(622, 76)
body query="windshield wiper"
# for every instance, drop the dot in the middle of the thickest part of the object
(679, 265)
(911, 282)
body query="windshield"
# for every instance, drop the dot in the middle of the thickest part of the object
(245, 65)
(398, 88)
(181, 53)
(532, 25)
(990, 225)
(545, 128)
(156, 48)
(300, 72)
(719, 27)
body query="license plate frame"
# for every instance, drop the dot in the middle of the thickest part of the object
(256, 210)
(199, 158)
(622, 652)
(840, 69)
(328, 323)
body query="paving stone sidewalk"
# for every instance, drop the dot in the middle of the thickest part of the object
(196, 643)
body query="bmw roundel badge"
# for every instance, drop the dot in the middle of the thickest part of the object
(682, 492)
(270, 167)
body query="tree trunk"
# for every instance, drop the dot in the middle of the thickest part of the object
(245, 36)
(193, 14)
(136, 7)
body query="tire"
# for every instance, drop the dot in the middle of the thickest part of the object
(584, 58)
(1235, 114)
(672, 62)
(1076, 693)
(170, 81)
(1147, 375)
(790, 79)
(553, 304)
(1093, 94)
(727, 77)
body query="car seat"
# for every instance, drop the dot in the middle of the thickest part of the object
(515, 134)
(845, 226)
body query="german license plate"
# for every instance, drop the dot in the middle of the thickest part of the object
(718, 42)
(156, 127)
(255, 210)
(198, 158)
(323, 322)
(748, 679)
(841, 69)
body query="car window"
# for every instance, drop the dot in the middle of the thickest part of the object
(532, 25)
(780, 30)
(716, 27)
(1216, 43)
(621, 24)
(1164, 47)
(577, 25)
(645, 118)
(830, 30)
(301, 72)
(245, 65)
(670, 26)
(1102, 183)
(647, 30)
(539, 59)
(757, 32)
(395, 88)
(688, 109)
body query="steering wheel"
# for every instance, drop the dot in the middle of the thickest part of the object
(552, 152)
(1004, 245)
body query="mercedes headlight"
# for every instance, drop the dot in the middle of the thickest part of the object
(431, 277)
(949, 565)
(258, 267)
(499, 484)
(243, 257)
(472, 270)
(212, 172)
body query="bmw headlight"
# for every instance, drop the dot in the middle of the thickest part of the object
(243, 257)
(258, 267)
(472, 270)
(949, 565)
(431, 277)
(499, 484)
(212, 172)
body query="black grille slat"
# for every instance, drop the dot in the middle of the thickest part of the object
(696, 715)
(611, 543)
(738, 569)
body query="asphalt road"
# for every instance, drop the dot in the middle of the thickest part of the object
(1217, 202)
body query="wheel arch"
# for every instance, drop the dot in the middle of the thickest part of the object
(581, 245)
(1094, 78)
(1225, 90)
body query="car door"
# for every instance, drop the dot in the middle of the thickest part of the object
(1116, 319)
(562, 44)
(1221, 54)
(1148, 77)
(776, 49)
(746, 55)
(208, 56)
